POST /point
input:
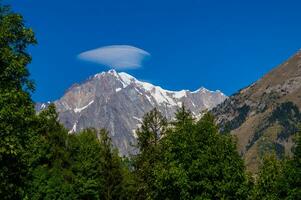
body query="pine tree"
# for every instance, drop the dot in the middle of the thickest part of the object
(154, 127)
(111, 169)
(183, 118)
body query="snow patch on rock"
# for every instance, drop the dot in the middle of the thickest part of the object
(73, 130)
(77, 110)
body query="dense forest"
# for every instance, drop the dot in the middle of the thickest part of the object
(180, 159)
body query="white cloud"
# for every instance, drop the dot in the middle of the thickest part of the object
(116, 56)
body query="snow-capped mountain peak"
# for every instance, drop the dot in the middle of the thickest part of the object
(115, 101)
(160, 95)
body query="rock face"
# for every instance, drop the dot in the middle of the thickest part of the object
(118, 101)
(265, 115)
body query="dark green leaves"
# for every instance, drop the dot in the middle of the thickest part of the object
(192, 161)
(16, 108)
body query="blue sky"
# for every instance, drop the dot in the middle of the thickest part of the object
(223, 45)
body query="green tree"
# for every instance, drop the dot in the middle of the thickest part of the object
(98, 170)
(78, 166)
(86, 163)
(50, 160)
(290, 185)
(280, 179)
(183, 119)
(129, 182)
(154, 127)
(197, 162)
(111, 169)
(16, 107)
(269, 177)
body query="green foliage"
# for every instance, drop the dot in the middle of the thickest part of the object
(154, 126)
(183, 159)
(129, 182)
(16, 108)
(291, 182)
(288, 116)
(14, 40)
(81, 166)
(238, 120)
(280, 179)
(86, 164)
(112, 168)
(183, 119)
(50, 162)
(98, 171)
(194, 161)
(199, 163)
(268, 183)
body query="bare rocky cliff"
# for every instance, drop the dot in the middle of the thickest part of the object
(118, 101)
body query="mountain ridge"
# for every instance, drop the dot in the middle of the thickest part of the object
(255, 114)
(118, 101)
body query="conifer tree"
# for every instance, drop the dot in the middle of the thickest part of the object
(111, 168)
(183, 118)
(154, 127)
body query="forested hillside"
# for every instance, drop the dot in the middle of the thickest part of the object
(265, 115)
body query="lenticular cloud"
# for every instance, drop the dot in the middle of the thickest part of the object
(116, 56)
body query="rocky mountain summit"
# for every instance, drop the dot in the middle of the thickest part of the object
(265, 115)
(118, 101)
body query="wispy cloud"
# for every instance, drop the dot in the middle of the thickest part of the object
(116, 56)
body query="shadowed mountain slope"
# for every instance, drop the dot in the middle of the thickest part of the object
(265, 115)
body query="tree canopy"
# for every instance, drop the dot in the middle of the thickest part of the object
(16, 106)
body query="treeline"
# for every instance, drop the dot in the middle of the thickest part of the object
(181, 159)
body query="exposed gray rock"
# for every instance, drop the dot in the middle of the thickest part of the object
(118, 101)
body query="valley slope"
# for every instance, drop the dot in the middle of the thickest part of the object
(265, 115)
